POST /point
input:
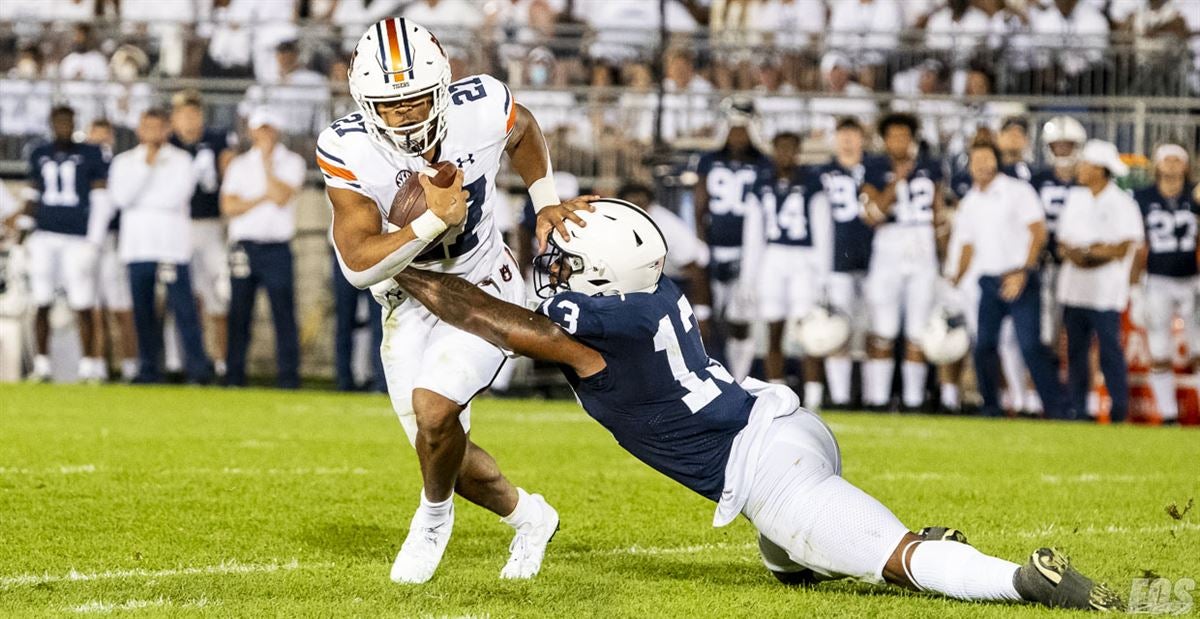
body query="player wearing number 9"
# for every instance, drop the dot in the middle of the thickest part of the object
(629, 344)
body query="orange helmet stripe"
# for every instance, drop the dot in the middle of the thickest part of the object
(393, 42)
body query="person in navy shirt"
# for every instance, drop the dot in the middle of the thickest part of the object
(628, 342)
(1062, 139)
(66, 180)
(842, 182)
(1171, 214)
(726, 179)
(782, 255)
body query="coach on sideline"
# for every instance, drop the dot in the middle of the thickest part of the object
(1002, 230)
(259, 198)
(1099, 230)
(152, 186)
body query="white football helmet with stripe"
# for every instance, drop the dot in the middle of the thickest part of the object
(396, 60)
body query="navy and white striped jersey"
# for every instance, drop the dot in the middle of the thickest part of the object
(1171, 231)
(786, 203)
(914, 196)
(661, 396)
(729, 182)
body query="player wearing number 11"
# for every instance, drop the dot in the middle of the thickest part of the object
(409, 116)
(629, 344)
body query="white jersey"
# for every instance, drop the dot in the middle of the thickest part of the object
(481, 115)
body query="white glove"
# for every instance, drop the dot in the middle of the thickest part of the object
(1138, 313)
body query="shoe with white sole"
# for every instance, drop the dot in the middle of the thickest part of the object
(423, 549)
(528, 547)
(41, 370)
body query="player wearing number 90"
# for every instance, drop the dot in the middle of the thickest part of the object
(411, 115)
(67, 181)
(904, 195)
(629, 344)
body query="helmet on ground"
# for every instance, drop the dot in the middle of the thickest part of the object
(821, 332)
(397, 60)
(620, 251)
(945, 339)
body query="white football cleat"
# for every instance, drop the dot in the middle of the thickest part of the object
(529, 545)
(422, 550)
(41, 370)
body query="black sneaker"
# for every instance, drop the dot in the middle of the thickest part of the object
(1048, 578)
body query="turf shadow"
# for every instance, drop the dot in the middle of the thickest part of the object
(352, 539)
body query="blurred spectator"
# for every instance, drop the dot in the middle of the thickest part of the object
(66, 182)
(788, 24)
(866, 29)
(1081, 30)
(71, 11)
(835, 79)
(242, 37)
(25, 105)
(628, 30)
(446, 18)
(353, 17)
(258, 196)
(211, 151)
(168, 23)
(1099, 230)
(339, 87)
(778, 105)
(1160, 31)
(152, 186)
(84, 72)
(941, 117)
(298, 95)
(1013, 143)
(128, 96)
(355, 309)
(957, 29)
(114, 300)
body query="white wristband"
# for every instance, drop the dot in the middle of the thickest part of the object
(543, 193)
(428, 226)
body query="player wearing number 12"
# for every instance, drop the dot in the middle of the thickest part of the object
(410, 115)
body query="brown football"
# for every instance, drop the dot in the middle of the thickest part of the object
(409, 202)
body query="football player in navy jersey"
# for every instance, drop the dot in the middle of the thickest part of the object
(627, 341)
(211, 152)
(1171, 214)
(904, 197)
(67, 179)
(727, 177)
(1062, 138)
(783, 256)
(842, 181)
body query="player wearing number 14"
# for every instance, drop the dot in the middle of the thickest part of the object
(409, 116)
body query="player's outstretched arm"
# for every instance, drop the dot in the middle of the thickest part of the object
(368, 255)
(463, 305)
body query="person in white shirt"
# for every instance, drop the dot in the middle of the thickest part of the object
(1099, 231)
(824, 113)
(1081, 26)
(1002, 231)
(152, 187)
(259, 198)
(870, 29)
(300, 96)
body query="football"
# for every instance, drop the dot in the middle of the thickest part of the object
(409, 202)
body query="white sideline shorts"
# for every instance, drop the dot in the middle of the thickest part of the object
(808, 516)
(113, 291)
(210, 266)
(901, 282)
(788, 282)
(420, 351)
(1166, 298)
(64, 261)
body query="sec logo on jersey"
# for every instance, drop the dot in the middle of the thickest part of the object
(402, 176)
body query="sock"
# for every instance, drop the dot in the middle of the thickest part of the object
(914, 373)
(879, 386)
(814, 392)
(950, 396)
(1162, 384)
(741, 356)
(778, 381)
(961, 572)
(129, 368)
(436, 511)
(526, 511)
(1033, 402)
(41, 365)
(837, 374)
(219, 367)
(99, 368)
(1013, 367)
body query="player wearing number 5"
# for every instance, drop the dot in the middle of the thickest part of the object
(786, 254)
(67, 181)
(410, 115)
(1171, 212)
(904, 195)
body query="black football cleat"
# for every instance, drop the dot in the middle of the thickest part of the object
(1048, 578)
(942, 534)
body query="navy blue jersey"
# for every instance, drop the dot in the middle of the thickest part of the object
(206, 201)
(786, 204)
(661, 396)
(852, 236)
(64, 176)
(1171, 229)
(729, 182)
(961, 181)
(1053, 192)
(914, 196)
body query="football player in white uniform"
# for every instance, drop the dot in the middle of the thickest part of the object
(410, 115)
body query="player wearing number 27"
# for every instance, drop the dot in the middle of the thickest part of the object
(409, 116)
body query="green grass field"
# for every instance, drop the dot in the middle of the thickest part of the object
(178, 501)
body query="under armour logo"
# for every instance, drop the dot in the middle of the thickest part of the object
(469, 159)
(505, 273)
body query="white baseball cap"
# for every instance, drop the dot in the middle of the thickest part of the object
(1170, 150)
(832, 60)
(264, 117)
(1105, 155)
